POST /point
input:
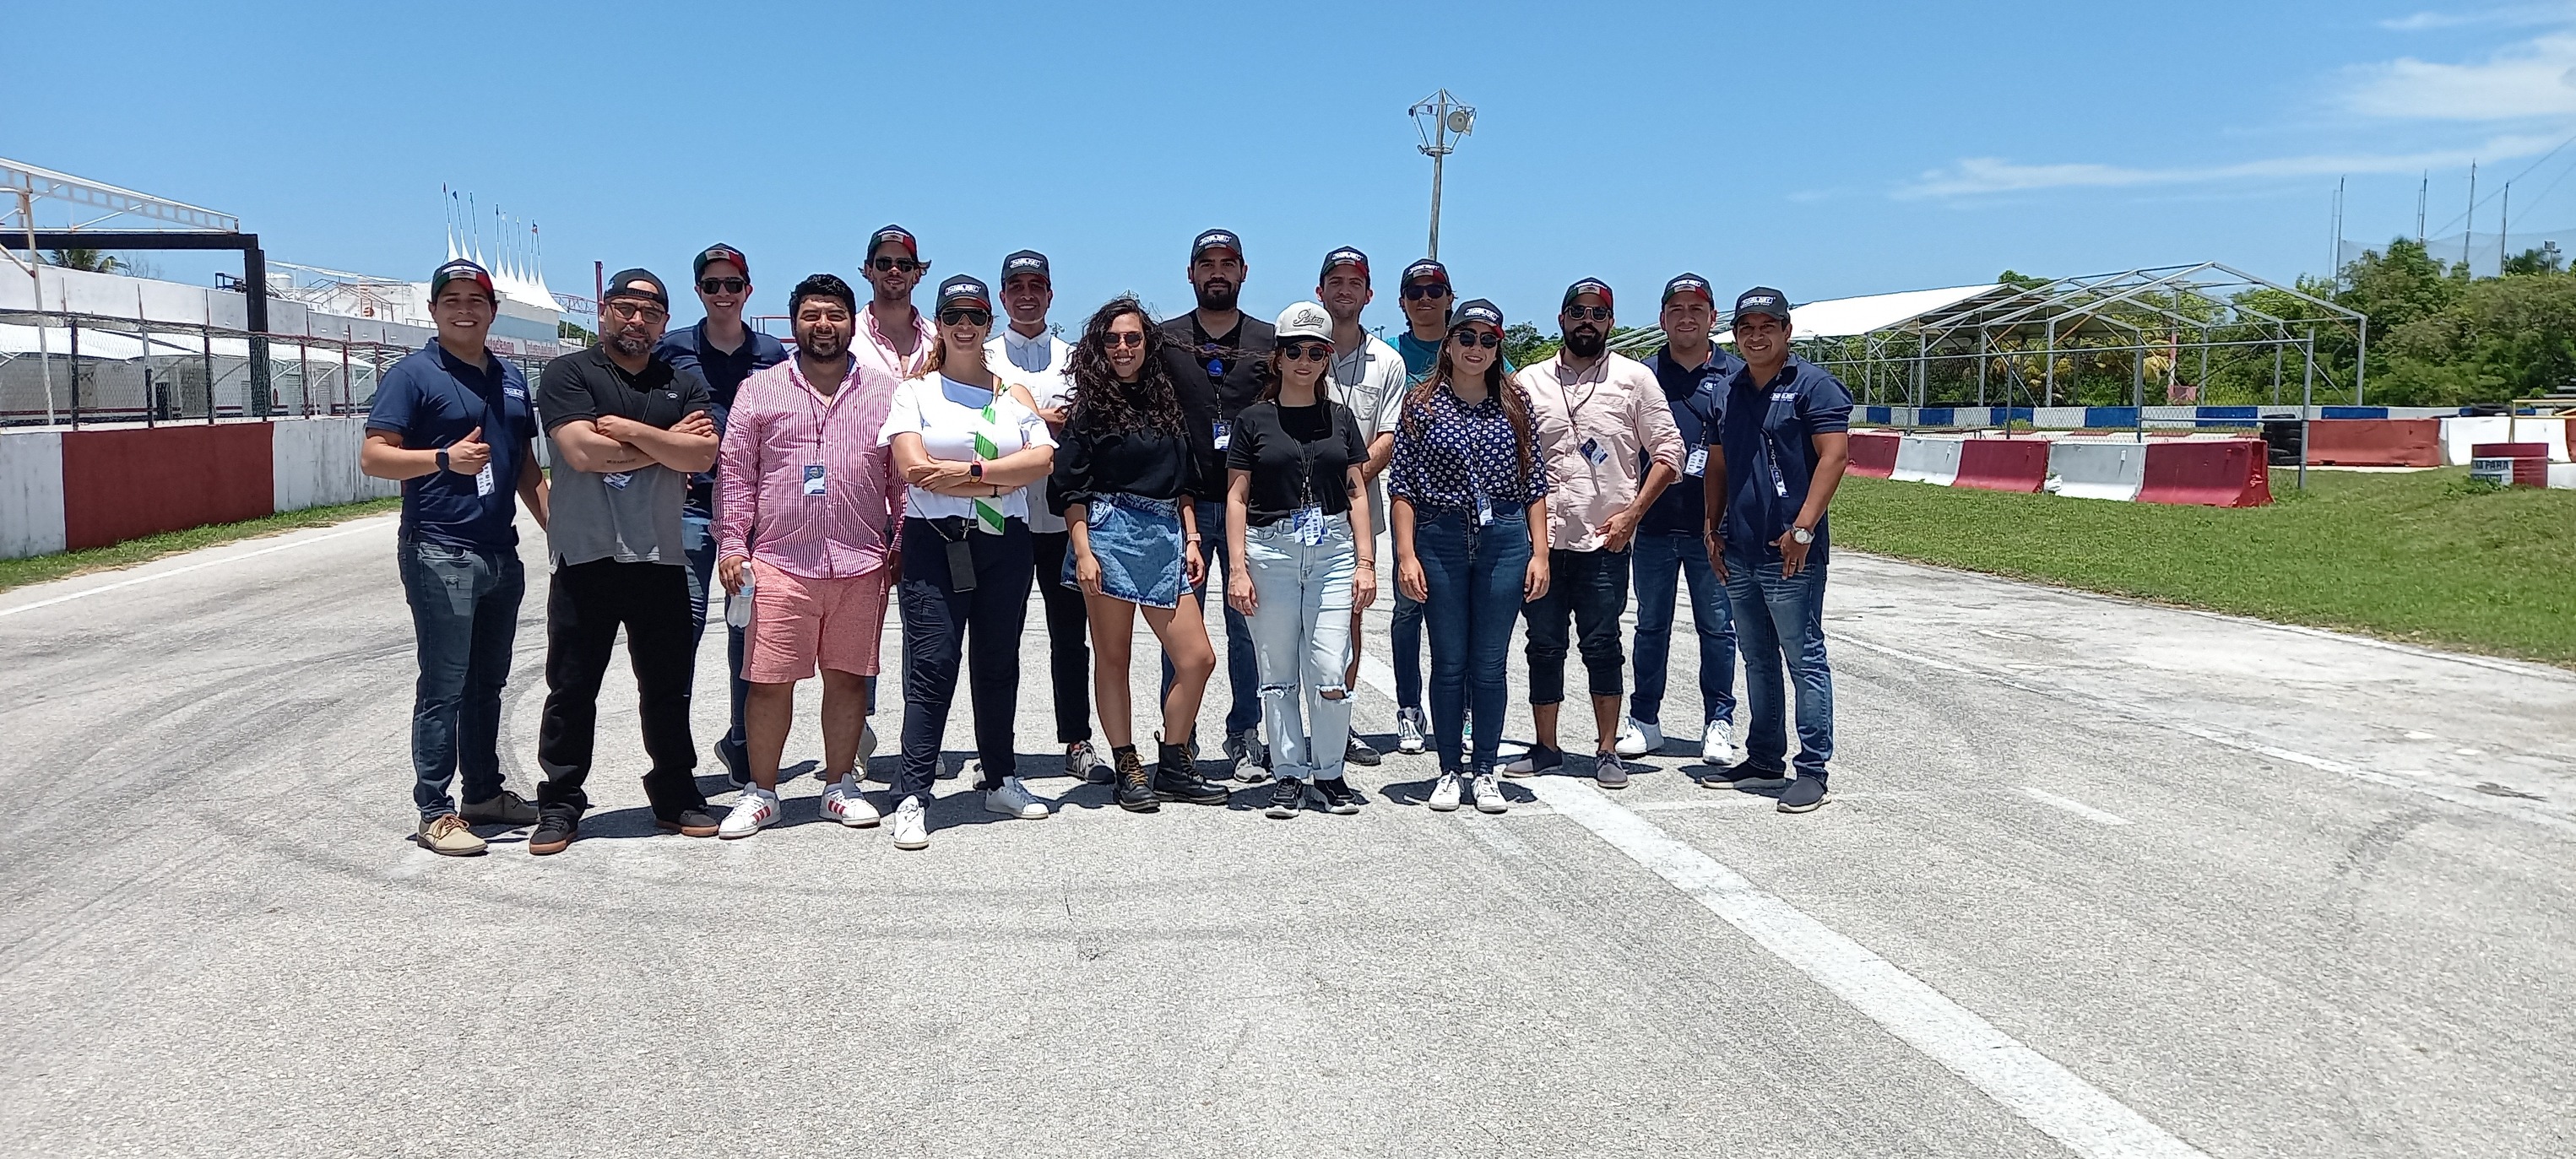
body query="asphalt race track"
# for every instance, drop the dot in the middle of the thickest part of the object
(2099, 879)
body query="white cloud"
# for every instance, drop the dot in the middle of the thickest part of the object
(2511, 16)
(1987, 175)
(2533, 79)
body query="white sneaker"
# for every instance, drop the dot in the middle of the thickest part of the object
(755, 810)
(1408, 730)
(1014, 799)
(1444, 794)
(1489, 796)
(1637, 738)
(843, 802)
(1717, 746)
(911, 825)
(1082, 759)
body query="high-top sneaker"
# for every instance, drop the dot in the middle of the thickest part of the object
(1135, 786)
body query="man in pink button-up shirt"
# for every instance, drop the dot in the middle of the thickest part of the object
(806, 504)
(1611, 449)
(894, 341)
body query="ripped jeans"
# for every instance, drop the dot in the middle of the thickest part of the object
(1301, 634)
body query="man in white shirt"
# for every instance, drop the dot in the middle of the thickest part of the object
(1026, 353)
(1368, 377)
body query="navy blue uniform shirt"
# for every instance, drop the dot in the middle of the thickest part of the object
(1694, 392)
(688, 350)
(1769, 435)
(433, 399)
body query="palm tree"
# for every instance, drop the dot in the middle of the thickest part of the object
(95, 261)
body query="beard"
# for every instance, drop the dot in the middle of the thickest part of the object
(1217, 295)
(630, 345)
(822, 345)
(1585, 342)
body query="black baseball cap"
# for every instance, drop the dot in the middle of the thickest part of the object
(896, 234)
(1345, 256)
(456, 268)
(719, 252)
(623, 286)
(1586, 286)
(1215, 239)
(1426, 268)
(1763, 300)
(964, 290)
(1477, 310)
(1026, 262)
(1688, 284)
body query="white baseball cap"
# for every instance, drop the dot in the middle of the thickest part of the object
(1305, 320)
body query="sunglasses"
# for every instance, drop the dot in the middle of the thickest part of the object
(724, 285)
(889, 265)
(1418, 293)
(1306, 351)
(1486, 339)
(1116, 340)
(1596, 313)
(969, 317)
(637, 310)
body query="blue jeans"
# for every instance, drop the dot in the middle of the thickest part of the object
(464, 618)
(1303, 622)
(1663, 560)
(698, 537)
(1473, 576)
(1408, 652)
(1242, 670)
(1781, 619)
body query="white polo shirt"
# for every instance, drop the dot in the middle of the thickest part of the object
(946, 414)
(1370, 381)
(1039, 364)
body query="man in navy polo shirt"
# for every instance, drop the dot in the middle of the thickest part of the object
(1783, 439)
(722, 351)
(452, 421)
(1671, 543)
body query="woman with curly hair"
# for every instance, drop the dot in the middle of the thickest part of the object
(1124, 483)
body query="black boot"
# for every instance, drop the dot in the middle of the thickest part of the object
(1135, 789)
(1176, 778)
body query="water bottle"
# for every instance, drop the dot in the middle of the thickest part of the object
(738, 605)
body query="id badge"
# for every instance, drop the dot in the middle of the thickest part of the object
(1696, 465)
(961, 566)
(1224, 434)
(1308, 525)
(483, 481)
(618, 479)
(1484, 511)
(1594, 453)
(814, 478)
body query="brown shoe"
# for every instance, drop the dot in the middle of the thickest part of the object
(448, 836)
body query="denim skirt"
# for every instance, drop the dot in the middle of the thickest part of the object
(1138, 544)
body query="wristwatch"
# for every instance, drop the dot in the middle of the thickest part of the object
(1801, 534)
(975, 469)
(442, 458)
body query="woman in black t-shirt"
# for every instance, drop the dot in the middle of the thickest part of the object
(1123, 483)
(1297, 517)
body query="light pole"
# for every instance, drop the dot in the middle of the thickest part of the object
(1441, 119)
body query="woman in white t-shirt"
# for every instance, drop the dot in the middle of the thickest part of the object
(970, 447)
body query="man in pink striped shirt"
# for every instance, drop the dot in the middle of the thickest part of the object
(894, 341)
(806, 503)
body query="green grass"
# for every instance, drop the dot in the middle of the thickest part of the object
(2429, 557)
(37, 569)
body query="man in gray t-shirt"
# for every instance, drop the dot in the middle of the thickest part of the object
(626, 430)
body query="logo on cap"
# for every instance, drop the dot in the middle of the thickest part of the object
(894, 233)
(1427, 268)
(1216, 239)
(1346, 256)
(1028, 263)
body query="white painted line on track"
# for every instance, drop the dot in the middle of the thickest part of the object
(2031, 1085)
(2074, 806)
(2403, 781)
(145, 579)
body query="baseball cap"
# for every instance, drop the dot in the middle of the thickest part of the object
(1345, 256)
(1586, 286)
(1026, 262)
(719, 252)
(1305, 320)
(460, 268)
(1688, 284)
(964, 290)
(896, 234)
(1426, 268)
(1477, 310)
(1762, 300)
(1215, 239)
(623, 286)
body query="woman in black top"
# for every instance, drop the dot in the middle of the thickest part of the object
(1294, 530)
(1123, 483)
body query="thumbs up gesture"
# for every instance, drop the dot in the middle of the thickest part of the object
(469, 455)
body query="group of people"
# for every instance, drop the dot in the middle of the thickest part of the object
(953, 459)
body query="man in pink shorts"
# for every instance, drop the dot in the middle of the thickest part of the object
(805, 496)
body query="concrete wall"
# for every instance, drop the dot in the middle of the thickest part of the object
(31, 494)
(66, 490)
(315, 464)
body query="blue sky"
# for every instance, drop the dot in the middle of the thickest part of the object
(1828, 149)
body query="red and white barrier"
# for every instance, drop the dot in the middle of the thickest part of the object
(2198, 470)
(2375, 442)
(1873, 453)
(2003, 465)
(68, 490)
